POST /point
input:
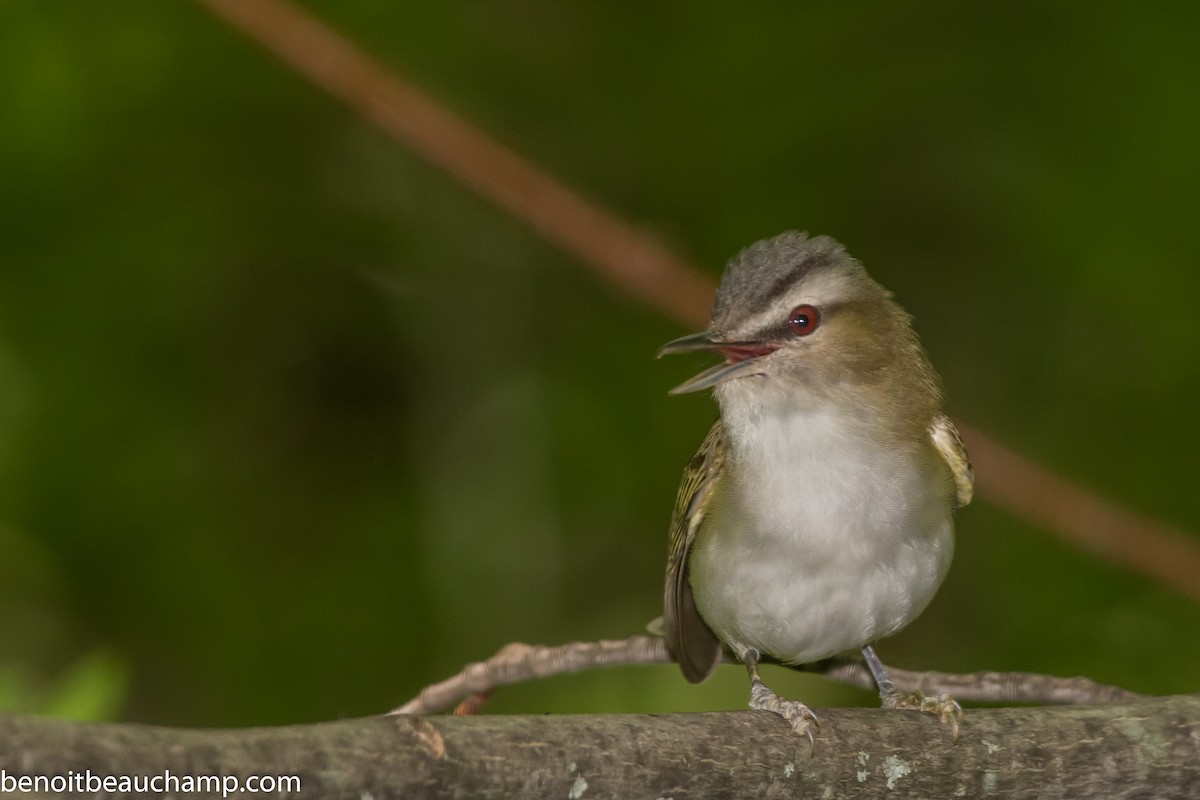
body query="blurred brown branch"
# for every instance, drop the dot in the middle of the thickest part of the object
(635, 261)
(1028, 490)
(639, 265)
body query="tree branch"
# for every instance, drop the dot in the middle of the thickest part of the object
(1144, 749)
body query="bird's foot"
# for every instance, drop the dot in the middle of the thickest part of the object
(803, 721)
(942, 706)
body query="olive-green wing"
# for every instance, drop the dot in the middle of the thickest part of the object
(949, 444)
(689, 639)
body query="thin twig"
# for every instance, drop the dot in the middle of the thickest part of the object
(519, 662)
(986, 687)
(642, 267)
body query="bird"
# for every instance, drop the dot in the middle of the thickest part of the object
(817, 515)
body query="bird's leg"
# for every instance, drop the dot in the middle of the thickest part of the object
(942, 706)
(798, 715)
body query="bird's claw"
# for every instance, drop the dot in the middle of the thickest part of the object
(803, 721)
(942, 706)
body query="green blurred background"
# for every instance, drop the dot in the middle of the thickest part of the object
(292, 425)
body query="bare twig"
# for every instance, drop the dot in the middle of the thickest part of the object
(642, 267)
(519, 662)
(986, 687)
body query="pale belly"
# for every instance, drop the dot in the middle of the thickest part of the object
(834, 545)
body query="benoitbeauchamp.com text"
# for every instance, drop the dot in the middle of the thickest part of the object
(88, 782)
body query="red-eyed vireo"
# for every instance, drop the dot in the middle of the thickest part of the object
(817, 515)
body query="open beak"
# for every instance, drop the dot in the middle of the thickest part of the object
(740, 359)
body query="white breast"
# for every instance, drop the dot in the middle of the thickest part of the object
(819, 539)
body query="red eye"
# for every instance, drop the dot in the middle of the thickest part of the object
(803, 320)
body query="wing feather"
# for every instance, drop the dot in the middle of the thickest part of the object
(689, 638)
(950, 445)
